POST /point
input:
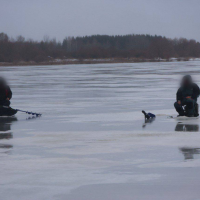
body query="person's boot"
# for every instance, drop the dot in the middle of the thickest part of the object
(181, 114)
(189, 115)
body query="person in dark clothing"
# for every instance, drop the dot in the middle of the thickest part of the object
(5, 93)
(187, 96)
(5, 96)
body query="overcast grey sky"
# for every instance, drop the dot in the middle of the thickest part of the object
(61, 18)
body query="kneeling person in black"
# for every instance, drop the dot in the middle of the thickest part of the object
(187, 96)
(5, 96)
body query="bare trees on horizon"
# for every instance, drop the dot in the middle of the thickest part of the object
(96, 46)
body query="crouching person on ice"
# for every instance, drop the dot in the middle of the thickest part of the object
(187, 94)
(5, 96)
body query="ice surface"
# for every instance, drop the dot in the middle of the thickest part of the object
(91, 142)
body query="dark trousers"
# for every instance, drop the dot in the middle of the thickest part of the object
(5, 103)
(7, 111)
(190, 103)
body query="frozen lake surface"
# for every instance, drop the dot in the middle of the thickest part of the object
(91, 142)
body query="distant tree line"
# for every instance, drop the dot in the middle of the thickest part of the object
(96, 46)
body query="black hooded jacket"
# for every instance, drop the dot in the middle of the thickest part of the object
(5, 91)
(188, 88)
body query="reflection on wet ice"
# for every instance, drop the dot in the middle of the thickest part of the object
(189, 152)
(6, 146)
(32, 117)
(5, 131)
(148, 121)
(6, 136)
(180, 127)
(6, 123)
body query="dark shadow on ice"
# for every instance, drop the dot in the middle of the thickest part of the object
(189, 152)
(148, 121)
(180, 127)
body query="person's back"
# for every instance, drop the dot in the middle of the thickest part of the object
(5, 93)
(187, 96)
(5, 96)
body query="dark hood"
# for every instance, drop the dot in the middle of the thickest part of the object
(186, 81)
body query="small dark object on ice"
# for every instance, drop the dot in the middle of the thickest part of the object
(148, 115)
(149, 118)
